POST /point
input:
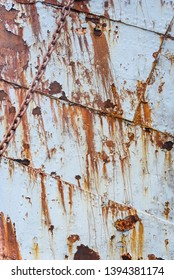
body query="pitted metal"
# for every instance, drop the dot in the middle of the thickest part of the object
(65, 11)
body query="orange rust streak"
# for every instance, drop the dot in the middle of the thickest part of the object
(74, 112)
(147, 114)
(166, 244)
(101, 57)
(60, 188)
(133, 243)
(105, 211)
(124, 244)
(71, 240)
(71, 190)
(44, 202)
(36, 251)
(41, 122)
(140, 240)
(104, 171)
(116, 96)
(159, 139)
(9, 248)
(65, 117)
(166, 210)
(33, 16)
(89, 131)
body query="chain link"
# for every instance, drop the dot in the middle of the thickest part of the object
(65, 11)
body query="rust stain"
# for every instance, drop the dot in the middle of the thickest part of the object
(74, 115)
(134, 243)
(11, 167)
(89, 131)
(123, 162)
(98, 30)
(8, 117)
(36, 251)
(108, 104)
(110, 144)
(101, 50)
(159, 139)
(71, 240)
(3, 95)
(43, 136)
(55, 88)
(147, 113)
(82, 5)
(166, 210)
(44, 203)
(106, 7)
(85, 253)
(123, 244)
(140, 239)
(140, 89)
(12, 110)
(126, 256)
(153, 257)
(112, 126)
(168, 163)
(114, 208)
(116, 99)
(127, 223)
(160, 88)
(87, 182)
(93, 18)
(104, 157)
(170, 57)
(143, 112)
(64, 112)
(78, 177)
(70, 195)
(33, 16)
(105, 211)
(61, 191)
(131, 137)
(9, 247)
(11, 47)
(91, 163)
(166, 244)
(81, 31)
(168, 145)
(36, 111)
(54, 113)
(68, 42)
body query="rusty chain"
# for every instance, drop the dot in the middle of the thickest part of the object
(65, 11)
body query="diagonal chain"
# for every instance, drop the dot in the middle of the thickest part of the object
(65, 11)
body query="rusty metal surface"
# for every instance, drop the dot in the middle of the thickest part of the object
(90, 169)
(65, 11)
(49, 212)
